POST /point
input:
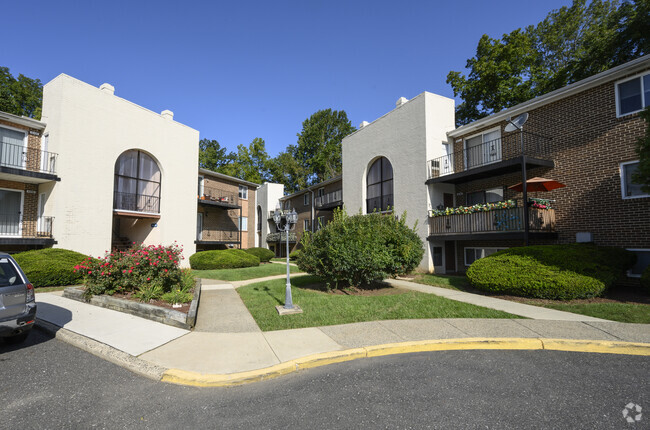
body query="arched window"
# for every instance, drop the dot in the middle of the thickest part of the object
(137, 183)
(380, 186)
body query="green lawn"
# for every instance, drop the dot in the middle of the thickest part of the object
(322, 309)
(245, 273)
(623, 312)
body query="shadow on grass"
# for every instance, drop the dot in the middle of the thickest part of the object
(267, 290)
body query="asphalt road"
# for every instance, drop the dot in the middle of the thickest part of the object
(49, 384)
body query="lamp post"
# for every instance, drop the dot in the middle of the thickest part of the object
(285, 222)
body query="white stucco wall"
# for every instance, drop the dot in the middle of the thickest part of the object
(89, 128)
(407, 136)
(268, 196)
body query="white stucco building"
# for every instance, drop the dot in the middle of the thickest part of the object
(384, 164)
(127, 173)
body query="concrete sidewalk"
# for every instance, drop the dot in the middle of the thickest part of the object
(227, 346)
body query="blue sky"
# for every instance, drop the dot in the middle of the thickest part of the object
(240, 70)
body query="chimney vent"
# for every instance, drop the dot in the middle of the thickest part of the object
(401, 101)
(167, 114)
(363, 124)
(107, 88)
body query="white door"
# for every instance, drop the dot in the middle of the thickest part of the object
(11, 203)
(12, 148)
(474, 152)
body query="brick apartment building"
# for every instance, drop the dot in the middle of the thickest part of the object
(226, 212)
(27, 169)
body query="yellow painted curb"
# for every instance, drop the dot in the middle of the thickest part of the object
(183, 377)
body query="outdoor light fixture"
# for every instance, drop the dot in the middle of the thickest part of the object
(285, 223)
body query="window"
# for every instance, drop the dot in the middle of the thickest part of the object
(199, 226)
(243, 223)
(483, 149)
(259, 218)
(201, 188)
(243, 192)
(306, 225)
(629, 188)
(632, 95)
(642, 261)
(494, 195)
(321, 192)
(12, 148)
(437, 255)
(137, 183)
(380, 186)
(305, 199)
(321, 222)
(473, 254)
(481, 197)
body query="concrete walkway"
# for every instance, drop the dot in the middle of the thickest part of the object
(227, 342)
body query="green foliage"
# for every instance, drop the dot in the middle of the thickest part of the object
(250, 163)
(20, 96)
(214, 157)
(645, 279)
(570, 44)
(360, 249)
(560, 272)
(51, 266)
(642, 174)
(148, 292)
(295, 255)
(177, 296)
(285, 169)
(151, 269)
(319, 144)
(263, 254)
(223, 259)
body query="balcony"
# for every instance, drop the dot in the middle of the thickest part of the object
(494, 224)
(136, 205)
(218, 197)
(24, 164)
(217, 237)
(495, 157)
(330, 200)
(14, 230)
(281, 237)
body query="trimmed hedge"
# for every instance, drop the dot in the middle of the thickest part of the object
(263, 254)
(645, 279)
(223, 259)
(357, 250)
(51, 267)
(561, 272)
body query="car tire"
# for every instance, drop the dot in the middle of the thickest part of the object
(19, 338)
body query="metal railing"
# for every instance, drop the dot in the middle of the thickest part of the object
(218, 195)
(493, 151)
(26, 158)
(333, 197)
(218, 235)
(136, 202)
(12, 225)
(498, 220)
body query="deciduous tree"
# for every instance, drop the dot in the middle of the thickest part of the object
(20, 96)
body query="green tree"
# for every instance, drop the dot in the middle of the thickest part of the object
(284, 169)
(570, 44)
(213, 156)
(319, 144)
(20, 96)
(250, 163)
(642, 174)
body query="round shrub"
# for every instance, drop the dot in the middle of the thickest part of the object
(263, 254)
(51, 267)
(561, 272)
(360, 249)
(295, 255)
(645, 279)
(223, 259)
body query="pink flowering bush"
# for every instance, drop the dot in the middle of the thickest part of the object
(139, 268)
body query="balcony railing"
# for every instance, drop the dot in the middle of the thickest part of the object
(136, 202)
(280, 236)
(330, 199)
(10, 225)
(25, 158)
(490, 152)
(494, 221)
(230, 236)
(220, 196)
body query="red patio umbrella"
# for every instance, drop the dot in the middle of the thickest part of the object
(538, 184)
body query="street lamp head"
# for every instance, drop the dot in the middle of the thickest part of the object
(292, 217)
(277, 216)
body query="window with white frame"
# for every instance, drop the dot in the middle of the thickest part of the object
(642, 261)
(243, 192)
(484, 148)
(321, 192)
(305, 199)
(472, 254)
(201, 187)
(485, 196)
(243, 223)
(632, 95)
(12, 147)
(629, 188)
(306, 225)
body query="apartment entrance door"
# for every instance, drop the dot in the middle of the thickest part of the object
(448, 200)
(450, 256)
(11, 203)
